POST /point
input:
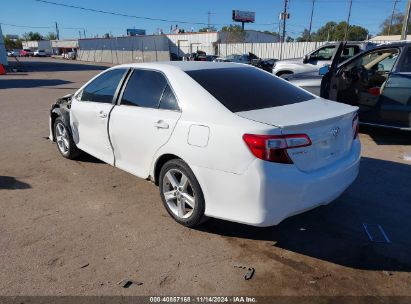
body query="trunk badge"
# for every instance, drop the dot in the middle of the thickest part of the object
(335, 131)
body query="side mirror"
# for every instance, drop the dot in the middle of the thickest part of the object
(306, 58)
(324, 70)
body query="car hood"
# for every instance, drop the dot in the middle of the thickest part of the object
(292, 60)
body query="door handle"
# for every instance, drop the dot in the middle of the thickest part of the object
(102, 114)
(161, 124)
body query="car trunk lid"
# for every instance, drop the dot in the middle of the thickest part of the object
(327, 123)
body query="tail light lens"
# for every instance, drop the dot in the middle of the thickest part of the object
(355, 126)
(273, 148)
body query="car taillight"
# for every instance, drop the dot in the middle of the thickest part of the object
(355, 126)
(273, 148)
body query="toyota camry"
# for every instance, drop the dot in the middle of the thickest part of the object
(221, 140)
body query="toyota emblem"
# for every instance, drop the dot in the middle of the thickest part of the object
(335, 131)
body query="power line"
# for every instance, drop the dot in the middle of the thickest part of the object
(117, 14)
(26, 26)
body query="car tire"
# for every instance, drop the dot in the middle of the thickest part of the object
(64, 140)
(181, 193)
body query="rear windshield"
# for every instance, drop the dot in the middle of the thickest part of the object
(245, 89)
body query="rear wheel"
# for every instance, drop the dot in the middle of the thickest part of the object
(181, 193)
(64, 140)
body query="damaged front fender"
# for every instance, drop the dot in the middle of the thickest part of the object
(61, 108)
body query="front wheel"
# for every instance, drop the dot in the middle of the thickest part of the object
(181, 193)
(64, 140)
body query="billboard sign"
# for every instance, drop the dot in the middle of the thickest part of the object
(243, 16)
(135, 32)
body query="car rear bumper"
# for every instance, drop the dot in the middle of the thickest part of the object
(267, 193)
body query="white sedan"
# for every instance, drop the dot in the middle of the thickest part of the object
(221, 140)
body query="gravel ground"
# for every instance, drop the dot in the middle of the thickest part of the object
(80, 227)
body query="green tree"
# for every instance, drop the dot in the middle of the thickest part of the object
(305, 36)
(50, 36)
(336, 31)
(206, 29)
(232, 34)
(12, 44)
(32, 36)
(396, 26)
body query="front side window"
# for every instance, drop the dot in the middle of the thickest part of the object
(246, 88)
(381, 61)
(104, 87)
(144, 89)
(325, 53)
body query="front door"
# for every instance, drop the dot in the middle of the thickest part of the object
(395, 100)
(90, 112)
(364, 81)
(143, 121)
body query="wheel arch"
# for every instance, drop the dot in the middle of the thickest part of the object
(279, 73)
(161, 160)
(59, 113)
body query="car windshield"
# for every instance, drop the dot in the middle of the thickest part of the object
(247, 88)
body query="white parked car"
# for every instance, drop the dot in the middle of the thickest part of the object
(13, 53)
(40, 53)
(221, 140)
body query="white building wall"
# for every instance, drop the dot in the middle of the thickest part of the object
(38, 45)
(67, 44)
(182, 44)
(124, 49)
(269, 50)
(3, 53)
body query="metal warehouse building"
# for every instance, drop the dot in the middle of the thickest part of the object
(182, 44)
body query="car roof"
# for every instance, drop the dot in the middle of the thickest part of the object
(401, 43)
(184, 65)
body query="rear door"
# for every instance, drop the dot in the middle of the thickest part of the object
(395, 100)
(90, 111)
(143, 121)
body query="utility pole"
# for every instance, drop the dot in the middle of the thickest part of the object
(84, 33)
(392, 16)
(284, 16)
(311, 21)
(57, 31)
(209, 13)
(348, 22)
(79, 33)
(405, 23)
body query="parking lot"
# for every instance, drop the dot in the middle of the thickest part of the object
(80, 227)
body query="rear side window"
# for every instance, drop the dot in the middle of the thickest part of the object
(168, 100)
(103, 88)
(247, 88)
(144, 89)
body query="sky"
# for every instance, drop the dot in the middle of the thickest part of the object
(41, 17)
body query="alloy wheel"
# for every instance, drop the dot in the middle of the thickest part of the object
(178, 193)
(62, 138)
